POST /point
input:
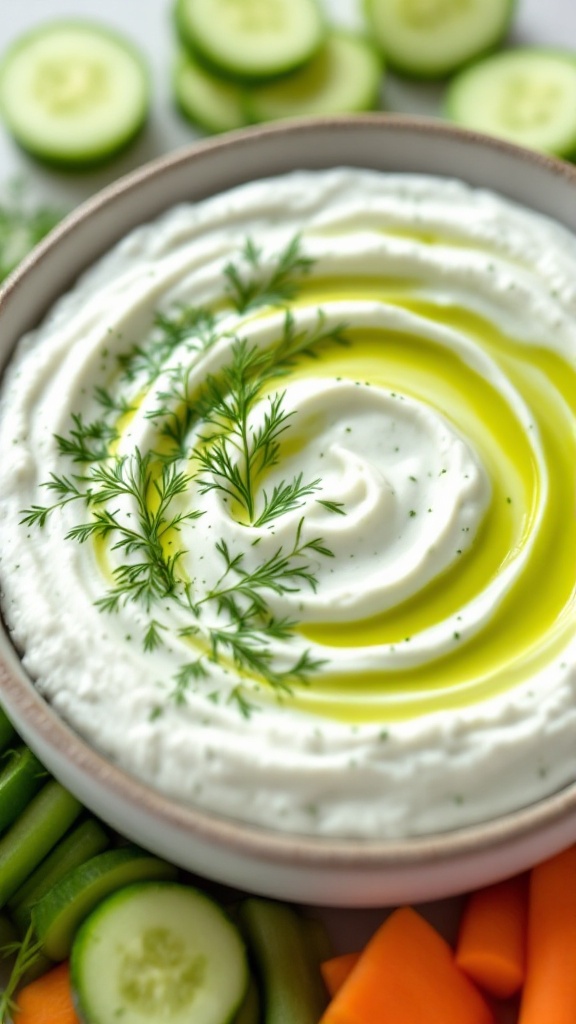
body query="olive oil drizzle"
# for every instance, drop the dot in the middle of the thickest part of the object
(207, 429)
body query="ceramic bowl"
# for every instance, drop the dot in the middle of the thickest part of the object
(315, 870)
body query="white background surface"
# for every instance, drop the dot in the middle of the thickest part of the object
(148, 23)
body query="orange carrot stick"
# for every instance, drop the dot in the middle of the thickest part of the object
(47, 1000)
(407, 974)
(491, 947)
(335, 970)
(550, 988)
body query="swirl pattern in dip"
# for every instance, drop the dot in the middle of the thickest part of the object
(287, 504)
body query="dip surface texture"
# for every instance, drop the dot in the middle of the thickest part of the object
(287, 504)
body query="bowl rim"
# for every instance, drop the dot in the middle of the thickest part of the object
(25, 704)
(239, 138)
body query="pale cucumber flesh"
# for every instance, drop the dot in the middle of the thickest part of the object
(167, 952)
(433, 38)
(252, 40)
(527, 96)
(71, 92)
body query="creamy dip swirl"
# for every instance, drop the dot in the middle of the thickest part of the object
(287, 521)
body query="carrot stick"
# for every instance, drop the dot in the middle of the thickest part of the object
(47, 1000)
(550, 988)
(335, 970)
(491, 946)
(407, 974)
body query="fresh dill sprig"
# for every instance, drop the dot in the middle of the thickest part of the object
(192, 670)
(285, 497)
(233, 455)
(190, 326)
(153, 574)
(284, 572)
(243, 644)
(117, 405)
(247, 630)
(332, 506)
(27, 952)
(153, 637)
(178, 413)
(87, 442)
(245, 639)
(259, 281)
(278, 359)
(194, 329)
(67, 488)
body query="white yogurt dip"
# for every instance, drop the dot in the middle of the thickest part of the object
(287, 522)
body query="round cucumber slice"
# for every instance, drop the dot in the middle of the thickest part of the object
(214, 104)
(527, 96)
(344, 77)
(433, 38)
(251, 39)
(158, 951)
(73, 93)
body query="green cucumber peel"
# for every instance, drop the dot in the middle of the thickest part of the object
(88, 839)
(57, 916)
(251, 42)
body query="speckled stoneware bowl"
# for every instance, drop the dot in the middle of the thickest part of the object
(315, 870)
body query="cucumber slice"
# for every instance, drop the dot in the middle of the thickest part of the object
(527, 96)
(73, 93)
(57, 916)
(433, 38)
(158, 952)
(81, 844)
(251, 39)
(210, 102)
(344, 77)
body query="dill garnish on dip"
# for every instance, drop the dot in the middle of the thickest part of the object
(295, 452)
